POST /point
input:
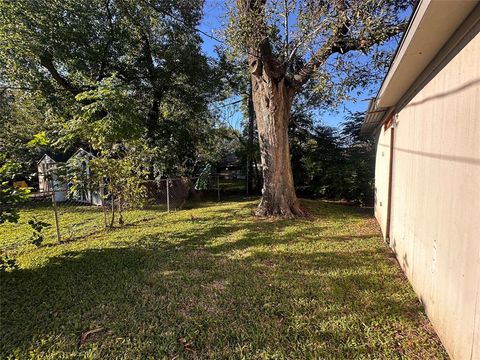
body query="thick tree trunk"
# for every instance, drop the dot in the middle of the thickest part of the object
(272, 102)
(250, 150)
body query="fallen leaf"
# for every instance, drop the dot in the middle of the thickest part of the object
(84, 336)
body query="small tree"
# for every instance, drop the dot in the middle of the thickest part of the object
(111, 125)
(121, 175)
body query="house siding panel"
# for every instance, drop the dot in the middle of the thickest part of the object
(435, 219)
(381, 178)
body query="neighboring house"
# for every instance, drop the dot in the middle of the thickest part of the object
(48, 179)
(49, 174)
(80, 160)
(426, 118)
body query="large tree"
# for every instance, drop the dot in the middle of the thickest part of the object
(60, 51)
(296, 44)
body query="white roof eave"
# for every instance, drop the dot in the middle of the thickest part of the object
(433, 23)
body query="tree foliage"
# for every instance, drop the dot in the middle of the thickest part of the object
(333, 163)
(106, 71)
(10, 196)
(127, 81)
(329, 47)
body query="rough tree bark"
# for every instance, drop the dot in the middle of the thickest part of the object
(272, 101)
(250, 150)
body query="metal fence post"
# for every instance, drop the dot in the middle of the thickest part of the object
(218, 187)
(168, 196)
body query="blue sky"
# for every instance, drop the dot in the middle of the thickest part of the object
(215, 17)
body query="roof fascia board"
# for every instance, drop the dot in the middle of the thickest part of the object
(433, 24)
(402, 48)
(469, 29)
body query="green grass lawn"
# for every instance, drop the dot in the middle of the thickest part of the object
(76, 222)
(214, 282)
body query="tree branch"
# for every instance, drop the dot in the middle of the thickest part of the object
(285, 25)
(259, 48)
(47, 63)
(103, 63)
(317, 60)
(341, 43)
(300, 42)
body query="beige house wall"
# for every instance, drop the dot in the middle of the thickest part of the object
(435, 210)
(381, 178)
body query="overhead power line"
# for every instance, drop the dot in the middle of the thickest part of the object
(188, 26)
(229, 104)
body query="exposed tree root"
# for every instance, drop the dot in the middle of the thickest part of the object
(283, 209)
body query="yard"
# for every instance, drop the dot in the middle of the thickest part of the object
(214, 282)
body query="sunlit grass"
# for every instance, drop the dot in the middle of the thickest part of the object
(215, 282)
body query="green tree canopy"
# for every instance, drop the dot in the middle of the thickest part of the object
(75, 57)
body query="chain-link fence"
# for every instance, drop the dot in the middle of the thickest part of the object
(55, 213)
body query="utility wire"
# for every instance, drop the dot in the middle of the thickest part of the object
(194, 28)
(229, 104)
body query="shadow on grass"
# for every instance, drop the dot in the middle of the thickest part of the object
(186, 298)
